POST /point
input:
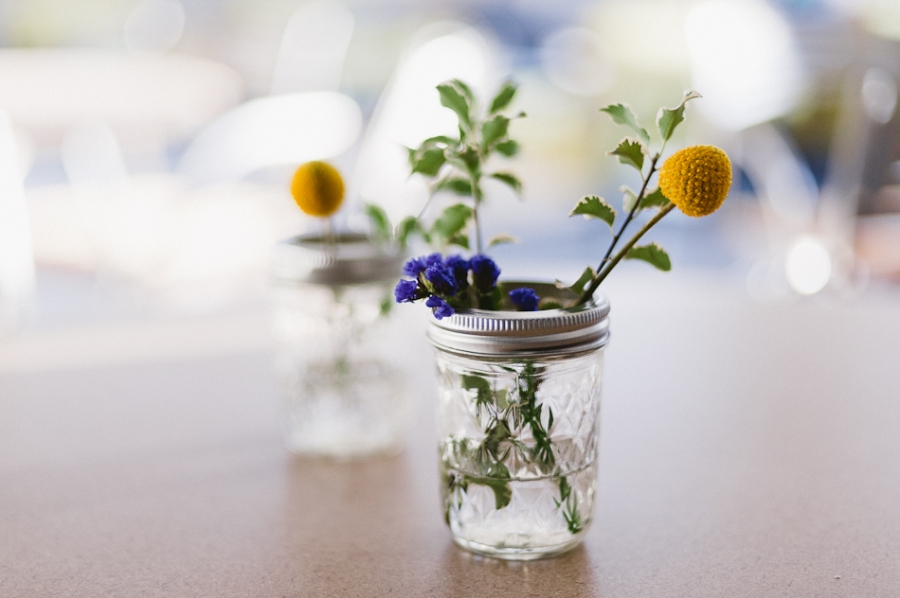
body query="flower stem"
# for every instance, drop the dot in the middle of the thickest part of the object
(615, 241)
(328, 225)
(476, 197)
(634, 210)
(588, 292)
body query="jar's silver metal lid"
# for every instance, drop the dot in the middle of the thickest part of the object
(557, 331)
(354, 259)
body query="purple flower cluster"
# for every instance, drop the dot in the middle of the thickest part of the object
(484, 273)
(524, 299)
(440, 279)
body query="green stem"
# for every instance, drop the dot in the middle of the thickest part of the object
(622, 252)
(631, 213)
(476, 197)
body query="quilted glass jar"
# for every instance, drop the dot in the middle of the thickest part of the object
(343, 388)
(518, 420)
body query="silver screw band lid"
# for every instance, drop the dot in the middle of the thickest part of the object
(502, 333)
(353, 259)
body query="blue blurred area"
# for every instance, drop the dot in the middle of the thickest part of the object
(801, 93)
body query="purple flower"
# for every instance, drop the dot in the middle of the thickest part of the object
(414, 266)
(441, 279)
(406, 291)
(435, 259)
(524, 299)
(440, 307)
(484, 273)
(460, 269)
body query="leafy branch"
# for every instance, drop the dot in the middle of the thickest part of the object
(456, 164)
(632, 152)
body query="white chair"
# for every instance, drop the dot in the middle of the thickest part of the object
(409, 112)
(16, 252)
(272, 131)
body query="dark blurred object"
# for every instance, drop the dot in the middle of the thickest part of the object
(861, 196)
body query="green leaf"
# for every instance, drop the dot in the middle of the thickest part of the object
(427, 162)
(385, 305)
(631, 152)
(653, 254)
(504, 97)
(578, 286)
(654, 199)
(572, 517)
(592, 206)
(651, 200)
(510, 179)
(407, 226)
(459, 239)
(467, 160)
(454, 99)
(432, 141)
(455, 184)
(564, 489)
(669, 118)
(452, 220)
(465, 89)
(502, 398)
(622, 115)
(629, 200)
(491, 300)
(501, 239)
(481, 387)
(498, 483)
(494, 129)
(381, 226)
(508, 148)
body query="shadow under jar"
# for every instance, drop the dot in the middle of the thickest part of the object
(344, 388)
(518, 423)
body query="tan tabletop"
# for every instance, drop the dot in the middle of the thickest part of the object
(746, 450)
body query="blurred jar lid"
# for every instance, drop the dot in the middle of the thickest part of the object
(351, 259)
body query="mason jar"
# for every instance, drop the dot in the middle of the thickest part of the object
(343, 386)
(517, 423)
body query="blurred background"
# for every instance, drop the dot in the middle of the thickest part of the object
(146, 145)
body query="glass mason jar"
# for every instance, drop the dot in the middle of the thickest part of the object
(518, 422)
(343, 387)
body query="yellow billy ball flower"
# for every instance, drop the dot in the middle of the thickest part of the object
(696, 179)
(318, 188)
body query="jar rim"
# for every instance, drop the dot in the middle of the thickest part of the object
(560, 330)
(353, 259)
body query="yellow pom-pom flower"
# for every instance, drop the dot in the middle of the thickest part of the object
(318, 188)
(696, 179)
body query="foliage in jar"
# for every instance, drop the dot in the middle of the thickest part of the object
(485, 462)
(696, 180)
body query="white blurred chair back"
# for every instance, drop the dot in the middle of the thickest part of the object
(313, 48)
(744, 60)
(273, 131)
(409, 112)
(16, 252)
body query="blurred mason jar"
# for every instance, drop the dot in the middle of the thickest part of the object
(344, 388)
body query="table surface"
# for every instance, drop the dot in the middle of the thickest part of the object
(746, 450)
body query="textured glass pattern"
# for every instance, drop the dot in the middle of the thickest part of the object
(518, 445)
(343, 388)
